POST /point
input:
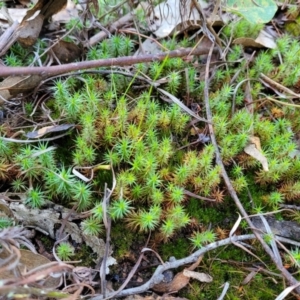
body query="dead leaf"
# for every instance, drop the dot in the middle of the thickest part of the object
(256, 141)
(47, 8)
(42, 219)
(5, 210)
(253, 149)
(67, 13)
(202, 277)
(264, 39)
(149, 46)
(27, 262)
(250, 277)
(173, 16)
(14, 85)
(30, 31)
(48, 129)
(47, 219)
(178, 282)
(66, 52)
(97, 245)
(32, 23)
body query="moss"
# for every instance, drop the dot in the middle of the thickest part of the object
(122, 239)
(230, 267)
(208, 213)
(179, 248)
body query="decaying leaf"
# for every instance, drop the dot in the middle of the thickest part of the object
(14, 85)
(180, 280)
(48, 129)
(30, 31)
(4, 209)
(47, 8)
(32, 23)
(67, 13)
(149, 46)
(253, 149)
(47, 220)
(98, 245)
(173, 16)
(66, 52)
(178, 283)
(44, 219)
(264, 39)
(27, 262)
(10, 15)
(256, 141)
(202, 277)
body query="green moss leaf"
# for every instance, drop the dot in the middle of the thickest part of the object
(255, 11)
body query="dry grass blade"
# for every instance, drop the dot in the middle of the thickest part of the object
(16, 236)
(181, 105)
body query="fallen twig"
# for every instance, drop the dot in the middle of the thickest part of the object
(157, 276)
(109, 62)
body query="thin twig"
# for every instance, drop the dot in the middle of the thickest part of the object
(109, 62)
(157, 276)
(107, 223)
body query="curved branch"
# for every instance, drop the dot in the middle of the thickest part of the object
(158, 276)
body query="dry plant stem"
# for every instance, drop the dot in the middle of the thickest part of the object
(110, 62)
(278, 85)
(107, 223)
(157, 276)
(8, 38)
(114, 26)
(291, 280)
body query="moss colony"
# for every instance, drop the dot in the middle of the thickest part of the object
(161, 158)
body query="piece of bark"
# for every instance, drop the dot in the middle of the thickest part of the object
(287, 229)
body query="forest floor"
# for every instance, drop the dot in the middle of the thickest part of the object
(149, 150)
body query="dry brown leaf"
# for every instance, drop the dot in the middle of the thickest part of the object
(178, 282)
(48, 129)
(47, 8)
(249, 277)
(149, 46)
(7, 17)
(67, 13)
(66, 52)
(256, 141)
(174, 15)
(48, 219)
(5, 210)
(32, 23)
(30, 31)
(202, 277)
(29, 261)
(14, 85)
(264, 39)
(253, 151)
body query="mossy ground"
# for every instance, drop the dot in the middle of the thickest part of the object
(156, 154)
